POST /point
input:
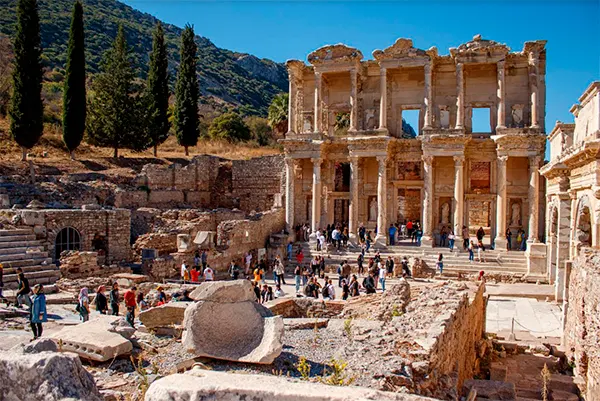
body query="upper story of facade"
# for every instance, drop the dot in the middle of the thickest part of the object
(575, 148)
(338, 94)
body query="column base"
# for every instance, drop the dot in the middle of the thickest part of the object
(500, 244)
(381, 241)
(352, 240)
(428, 242)
(312, 239)
(537, 265)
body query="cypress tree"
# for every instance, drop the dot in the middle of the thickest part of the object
(157, 91)
(187, 123)
(74, 106)
(114, 115)
(27, 110)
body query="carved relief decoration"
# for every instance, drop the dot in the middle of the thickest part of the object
(334, 53)
(479, 46)
(402, 48)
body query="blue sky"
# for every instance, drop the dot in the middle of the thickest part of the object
(281, 30)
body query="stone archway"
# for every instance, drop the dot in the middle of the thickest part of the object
(583, 225)
(67, 239)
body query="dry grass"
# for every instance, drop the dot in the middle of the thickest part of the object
(51, 152)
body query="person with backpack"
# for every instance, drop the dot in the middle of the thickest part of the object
(354, 287)
(23, 291)
(369, 284)
(114, 299)
(100, 301)
(83, 305)
(328, 290)
(405, 269)
(39, 313)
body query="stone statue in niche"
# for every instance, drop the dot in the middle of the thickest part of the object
(373, 210)
(370, 119)
(515, 217)
(307, 125)
(517, 115)
(444, 117)
(445, 213)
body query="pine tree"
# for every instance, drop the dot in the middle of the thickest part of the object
(116, 117)
(27, 110)
(187, 93)
(157, 91)
(74, 102)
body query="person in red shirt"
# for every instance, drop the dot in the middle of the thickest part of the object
(195, 274)
(130, 304)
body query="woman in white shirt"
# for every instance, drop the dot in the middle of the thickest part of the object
(382, 273)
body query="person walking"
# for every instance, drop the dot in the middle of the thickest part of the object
(100, 301)
(389, 266)
(39, 313)
(130, 304)
(289, 251)
(382, 276)
(359, 261)
(298, 278)
(83, 304)
(369, 284)
(451, 239)
(405, 269)
(209, 274)
(508, 235)
(465, 237)
(523, 240)
(480, 235)
(23, 291)
(392, 232)
(185, 273)
(114, 299)
(470, 249)
(354, 287)
(440, 263)
(480, 250)
(279, 272)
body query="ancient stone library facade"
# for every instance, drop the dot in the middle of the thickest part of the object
(350, 159)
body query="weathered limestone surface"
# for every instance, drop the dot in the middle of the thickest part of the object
(225, 311)
(166, 315)
(204, 384)
(97, 339)
(48, 376)
(582, 326)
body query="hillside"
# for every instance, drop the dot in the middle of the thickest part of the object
(226, 77)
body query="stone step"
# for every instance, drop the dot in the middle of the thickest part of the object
(22, 256)
(21, 237)
(15, 251)
(21, 244)
(46, 272)
(26, 262)
(558, 395)
(44, 280)
(32, 268)
(21, 231)
(563, 383)
(531, 392)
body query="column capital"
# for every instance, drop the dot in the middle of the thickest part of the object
(354, 159)
(502, 158)
(459, 160)
(573, 194)
(459, 66)
(290, 161)
(500, 65)
(382, 71)
(427, 159)
(381, 159)
(534, 161)
(316, 160)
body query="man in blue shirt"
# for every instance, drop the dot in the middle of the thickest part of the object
(392, 232)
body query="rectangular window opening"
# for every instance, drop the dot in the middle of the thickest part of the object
(480, 122)
(410, 122)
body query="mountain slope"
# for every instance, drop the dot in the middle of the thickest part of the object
(225, 76)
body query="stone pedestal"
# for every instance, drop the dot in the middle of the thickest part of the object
(500, 243)
(536, 260)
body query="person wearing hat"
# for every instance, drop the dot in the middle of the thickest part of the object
(162, 297)
(38, 311)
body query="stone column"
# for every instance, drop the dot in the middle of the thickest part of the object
(383, 99)
(460, 97)
(534, 63)
(534, 197)
(316, 197)
(353, 212)
(427, 201)
(317, 117)
(353, 100)
(562, 244)
(428, 96)
(290, 178)
(500, 240)
(291, 103)
(573, 229)
(501, 120)
(459, 197)
(381, 238)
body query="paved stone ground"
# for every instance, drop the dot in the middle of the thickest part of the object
(538, 318)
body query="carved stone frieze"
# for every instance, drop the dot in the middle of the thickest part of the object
(334, 53)
(479, 46)
(400, 49)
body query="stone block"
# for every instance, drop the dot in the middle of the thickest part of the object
(200, 384)
(166, 315)
(32, 218)
(494, 390)
(96, 339)
(4, 201)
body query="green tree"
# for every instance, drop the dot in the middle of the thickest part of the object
(157, 91)
(26, 111)
(260, 131)
(278, 113)
(116, 117)
(74, 101)
(230, 127)
(187, 127)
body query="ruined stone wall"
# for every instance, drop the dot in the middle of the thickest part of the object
(112, 224)
(255, 182)
(81, 264)
(582, 327)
